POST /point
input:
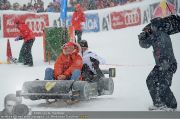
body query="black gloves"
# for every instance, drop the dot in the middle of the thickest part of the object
(95, 62)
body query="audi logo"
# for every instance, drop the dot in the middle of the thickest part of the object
(36, 25)
(132, 17)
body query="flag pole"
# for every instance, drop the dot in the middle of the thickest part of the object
(63, 8)
(169, 8)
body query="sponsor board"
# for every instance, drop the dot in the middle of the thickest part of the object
(104, 20)
(125, 18)
(35, 22)
(90, 25)
(145, 15)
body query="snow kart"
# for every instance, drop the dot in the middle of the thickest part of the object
(68, 89)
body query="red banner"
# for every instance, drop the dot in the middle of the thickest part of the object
(125, 18)
(35, 22)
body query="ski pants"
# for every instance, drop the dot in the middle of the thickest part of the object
(78, 33)
(49, 74)
(25, 55)
(158, 83)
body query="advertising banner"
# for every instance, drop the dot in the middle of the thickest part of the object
(145, 14)
(105, 23)
(36, 22)
(125, 18)
(92, 23)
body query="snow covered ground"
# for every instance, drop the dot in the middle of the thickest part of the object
(121, 50)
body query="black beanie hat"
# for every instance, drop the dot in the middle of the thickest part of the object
(83, 43)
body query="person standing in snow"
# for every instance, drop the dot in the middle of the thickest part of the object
(160, 78)
(77, 19)
(91, 62)
(28, 36)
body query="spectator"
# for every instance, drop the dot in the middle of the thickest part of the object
(56, 7)
(5, 5)
(70, 6)
(36, 7)
(50, 7)
(111, 3)
(24, 7)
(77, 19)
(16, 6)
(84, 6)
(92, 5)
(30, 7)
(99, 4)
(28, 36)
(41, 8)
(40, 2)
(72, 3)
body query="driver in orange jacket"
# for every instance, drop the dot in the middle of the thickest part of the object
(68, 65)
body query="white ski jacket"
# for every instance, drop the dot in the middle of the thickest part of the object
(86, 59)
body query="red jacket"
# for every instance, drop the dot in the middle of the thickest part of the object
(25, 32)
(66, 64)
(77, 18)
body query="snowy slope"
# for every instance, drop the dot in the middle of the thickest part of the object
(120, 48)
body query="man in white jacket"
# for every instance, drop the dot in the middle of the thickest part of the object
(91, 62)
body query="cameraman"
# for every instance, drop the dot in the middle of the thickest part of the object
(160, 78)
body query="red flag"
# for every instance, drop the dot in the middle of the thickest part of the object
(8, 51)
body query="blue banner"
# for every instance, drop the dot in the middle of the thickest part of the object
(63, 9)
(90, 25)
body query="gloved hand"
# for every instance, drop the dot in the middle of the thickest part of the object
(18, 38)
(95, 63)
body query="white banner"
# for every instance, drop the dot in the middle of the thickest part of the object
(105, 21)
(145, 14)
(54, 20)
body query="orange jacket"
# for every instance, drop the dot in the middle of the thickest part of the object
(66, 64)
(25, 32)
(77, 18)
